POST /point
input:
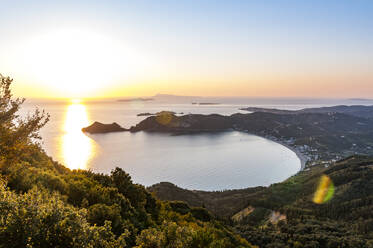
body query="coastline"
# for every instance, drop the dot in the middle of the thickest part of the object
(303, 159)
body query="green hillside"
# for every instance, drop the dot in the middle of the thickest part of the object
(345, 220)
(285, 214)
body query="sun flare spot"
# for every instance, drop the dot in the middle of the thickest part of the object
(325, 190)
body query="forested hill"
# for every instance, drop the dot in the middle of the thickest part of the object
(44, 204)
(354, 110)
(284, 124)
(287, 214)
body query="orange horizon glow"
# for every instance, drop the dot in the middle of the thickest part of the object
(88, 62)
(256, 88)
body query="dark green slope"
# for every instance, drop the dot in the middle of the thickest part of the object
(346, 220)
(223, 204)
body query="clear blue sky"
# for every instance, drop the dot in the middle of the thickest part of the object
(266, 48)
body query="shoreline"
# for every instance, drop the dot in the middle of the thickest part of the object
(303, 159)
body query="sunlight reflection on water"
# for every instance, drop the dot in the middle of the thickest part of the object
(77, 149)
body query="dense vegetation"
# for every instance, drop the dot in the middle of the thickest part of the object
(44, 204)
(345, 220)
(222, 204)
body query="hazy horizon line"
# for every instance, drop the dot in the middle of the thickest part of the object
(165, 95)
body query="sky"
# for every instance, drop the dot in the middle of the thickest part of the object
(98, 49)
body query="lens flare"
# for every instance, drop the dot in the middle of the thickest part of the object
(325, 190)
(164, 118)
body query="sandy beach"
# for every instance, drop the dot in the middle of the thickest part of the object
(303, 159)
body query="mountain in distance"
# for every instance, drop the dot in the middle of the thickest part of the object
(163, 98)
(242, 100)
(138, 99)
(360, 99)
(355, 110)
(176, 98)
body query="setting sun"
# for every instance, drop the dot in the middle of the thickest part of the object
(77, 62)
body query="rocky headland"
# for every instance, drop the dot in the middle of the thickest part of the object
(320, 134)
(98, 127)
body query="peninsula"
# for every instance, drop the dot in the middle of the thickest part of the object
(318, 134)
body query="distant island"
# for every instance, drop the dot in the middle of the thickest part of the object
(159, 113)
(181, 98)
(205, 103)
(98, 127)
(140, 99)
(145, 114)
(360, 99)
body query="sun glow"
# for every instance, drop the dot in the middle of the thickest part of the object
(77, 148)
(77, 63)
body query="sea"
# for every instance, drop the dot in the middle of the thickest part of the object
(204, 161)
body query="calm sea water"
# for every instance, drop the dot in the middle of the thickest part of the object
(226, 160)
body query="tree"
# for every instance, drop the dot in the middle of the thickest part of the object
(41, 219)
(16, 133)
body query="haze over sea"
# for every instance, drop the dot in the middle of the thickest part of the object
(227, 160)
